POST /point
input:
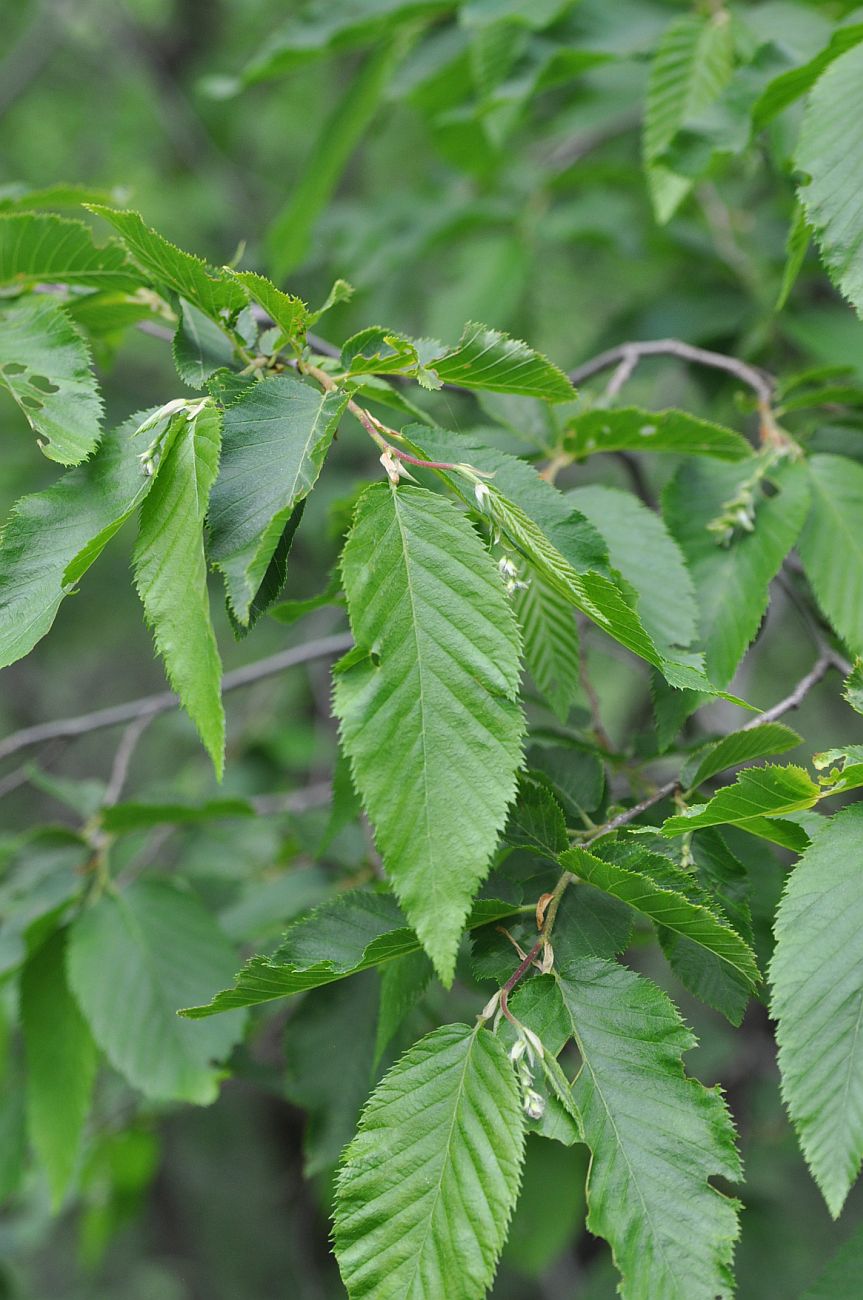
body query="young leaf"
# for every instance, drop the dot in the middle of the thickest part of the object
(200, 347)
(656, 1138)
(290, 315)
(275, 438)
(829, 155)
(443, 1129)
(852, 688)
(758, 792)
(134, 957)
(738, 747)
(171, 572)
(38, 248)
(52, 537)
(376, 351)
(831, 544)
(488, 359)
(628, 428)
(45, 366)
(216, 293)
(61, 1064)
(818, 1001)
(428, 702)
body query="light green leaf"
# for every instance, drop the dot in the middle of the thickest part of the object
(790, 86)
(841, 1278)
(52, 537)
(200, 347)
(171, 572)
(45, 366)
(656, 1138)
(818, 1002)
(136, 956)
(403, 983)
(550, 637)
(738, 747)
(61, 1064)
(275, 438)
(38, 248)
(487, 359)
(629, 428)
(122, 818)
(852, 688)
(444, 1128)
(731, 582)
(289, 314)
(830, 155)
(651, 885)
(376, 351)
(215, 292)
(428, 702)
(758, 792)
(349, 934)
(796, 247)
(831, 544)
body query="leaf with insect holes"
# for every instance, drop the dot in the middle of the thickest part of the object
(45, 366)
(628, 428)
(40, 248)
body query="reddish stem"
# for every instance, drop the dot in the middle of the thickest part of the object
(423, 464)
(516, 975)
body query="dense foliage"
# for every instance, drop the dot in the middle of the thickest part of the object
(537, 805)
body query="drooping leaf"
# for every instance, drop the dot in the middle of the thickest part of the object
(818, 1002)
(831, 544)
(443, 1128)
(171, 572)
(200, 347)
(789, 86)
(45, 367)
(656, 1138)
(428, 702)
(52, 537)
(39, 248)
(61, 1064)
(216, 293)
(758, 792)
(275, 438)
(829, 154)
(628, 428)
(134, 958)
(488, 359)
(738, 747)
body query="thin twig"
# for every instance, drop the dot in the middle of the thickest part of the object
(295, 801)
(829, 659)
(151, 705)
(123, 757)
(631, 353)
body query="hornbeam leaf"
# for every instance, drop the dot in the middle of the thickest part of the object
(349, 934)
(758, 792)
(289, 314)
(790, 86)
(215, 292)
(551, 645)
(171, 572)
(831, 544)
(817, 979)
(52, 537)
(428, 702)
(485, 358)
(852, 688)
(61, 1063)
(377, 351)
(45, 366)
(200, 348)
(275, 438)
(134, 957)
(656, 1138)
(738, 747)
(38, 248)
(444, 1129)
(628, 428)
(829, 154)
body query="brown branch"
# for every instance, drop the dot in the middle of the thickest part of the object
(628, 355)
(151, 705)
(827, 660)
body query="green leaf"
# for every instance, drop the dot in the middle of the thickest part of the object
(487, 359)
(376, 351)
(738, 747)
(171, 572)
(216, 293)
(134, 957)
(121, 818)
(841, 1278)
(52, 537)
(629, 428)
(831, 544)
(536, 820)
(42, 248)
(61, 1064)
(650, 884)
(45, 367)
(829, 153)
(428, 702)
(758, 792)
(642, 550)
(731, 582)
(275, 438)
(818, 1002)
(792, 85)
(852, 688)
(349, 934)
(656, 1138)
(290, 315)
(796, 247)
(200, 347)
(403, 983)
(444, 1128)
(550, 637)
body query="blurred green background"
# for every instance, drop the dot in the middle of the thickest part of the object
(452, 162)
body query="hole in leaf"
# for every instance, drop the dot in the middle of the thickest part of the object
(13, 368)
(44, 385)
(33, 402)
